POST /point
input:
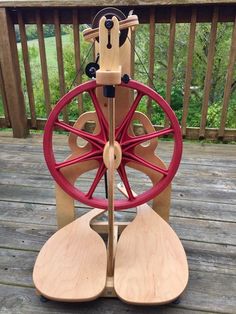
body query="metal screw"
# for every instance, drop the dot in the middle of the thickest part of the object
(109, 24)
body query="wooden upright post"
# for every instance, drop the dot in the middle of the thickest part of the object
(209, 70)
(11, 76)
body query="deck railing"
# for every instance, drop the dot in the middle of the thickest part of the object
(75, 13)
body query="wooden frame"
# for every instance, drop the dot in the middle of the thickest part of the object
(147, 265)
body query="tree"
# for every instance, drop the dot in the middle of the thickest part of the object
(223, 42)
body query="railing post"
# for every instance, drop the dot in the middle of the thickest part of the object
(188, 71)
(11, 76)
(75, 22)
(151, 58)
(208, 77)
(170, 58)
(228, 83)
(4, 100)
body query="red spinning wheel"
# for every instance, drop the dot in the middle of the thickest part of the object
(126, 143)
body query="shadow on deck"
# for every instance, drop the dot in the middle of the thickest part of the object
(203, 213)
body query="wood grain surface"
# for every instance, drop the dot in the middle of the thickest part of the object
(82, 3)
(203, 214)
(72, 264)
(150, 264)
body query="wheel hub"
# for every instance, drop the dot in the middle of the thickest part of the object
(117, 154)
(125, 146)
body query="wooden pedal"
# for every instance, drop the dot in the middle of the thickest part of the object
(150, 263)
(72, 264)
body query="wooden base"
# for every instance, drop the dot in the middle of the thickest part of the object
(150, 265)
(72, 264)
(150, 262)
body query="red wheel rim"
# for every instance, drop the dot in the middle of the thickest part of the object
(127, 143)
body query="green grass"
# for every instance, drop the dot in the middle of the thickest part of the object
(36, 72)
(50, 47)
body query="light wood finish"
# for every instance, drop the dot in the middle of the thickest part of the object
(43, 59)
(65, 209)
(101, 227)
(188, 73)
(124, 99)
(117, 154)
(210, 62)
(111, 179)
(64, 202)
(109, 72)
(76, 35)
(151, 265)
(72, 264)
(90, 34)
(28, 77)
(123, 96)
(161, 203)
(109, 291)
(170, 58)
(228, 83)
(11, 76)
(151, 58)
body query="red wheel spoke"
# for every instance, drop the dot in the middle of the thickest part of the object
(101, 118)
(123, 128)
(125, 138)
(86, 136)
(124, 178)
(97, 179)
(134, 141)
(85, 157)
(134, 158)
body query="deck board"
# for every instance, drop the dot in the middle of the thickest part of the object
(23, 300)
(203, 213)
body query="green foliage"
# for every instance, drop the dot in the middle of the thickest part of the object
(231, 121)
(31, 31)
(69, 72)
(223, 41)
(1, 107)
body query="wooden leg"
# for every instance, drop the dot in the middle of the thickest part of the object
(111, 169)
(65, 208)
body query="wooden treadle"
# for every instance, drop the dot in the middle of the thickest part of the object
(150, 264)
(72, 264)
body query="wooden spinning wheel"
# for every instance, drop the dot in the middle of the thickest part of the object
(124, 145)
(147, 264)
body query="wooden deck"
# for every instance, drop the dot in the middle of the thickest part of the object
(203, 214)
